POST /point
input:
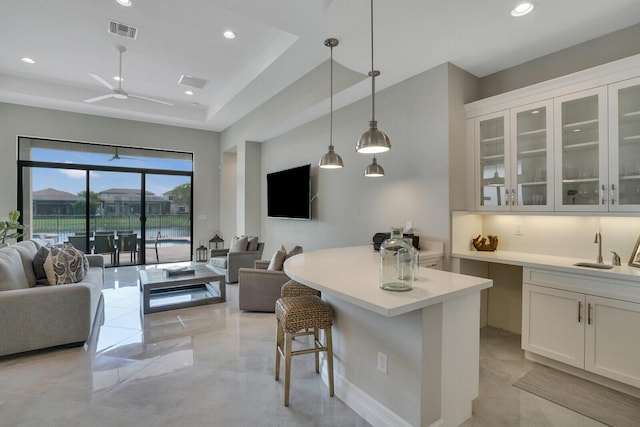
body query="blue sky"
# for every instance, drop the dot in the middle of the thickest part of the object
(73, 181)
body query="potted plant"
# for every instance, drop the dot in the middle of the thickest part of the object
(9, 224)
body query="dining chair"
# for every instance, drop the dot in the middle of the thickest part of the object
(128, 242)
(79, 242)
(103, 243)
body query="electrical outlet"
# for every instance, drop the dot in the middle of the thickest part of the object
(519, 229)
(382, 362)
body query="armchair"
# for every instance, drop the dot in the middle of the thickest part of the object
(259, 288)
(228, 263)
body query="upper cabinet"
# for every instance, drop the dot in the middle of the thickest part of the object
(568, 145)
(581, 151)
(492, 151)
(624, 146)
(514, 167)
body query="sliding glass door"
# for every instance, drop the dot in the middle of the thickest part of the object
(116, 216)
(168, 218)
(132, 209)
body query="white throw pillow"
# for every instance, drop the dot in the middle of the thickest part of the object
(277, 260)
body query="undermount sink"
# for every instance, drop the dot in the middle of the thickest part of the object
(594, 265)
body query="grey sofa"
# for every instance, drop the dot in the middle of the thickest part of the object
(259, 288)
(35, 317)
(229, 263)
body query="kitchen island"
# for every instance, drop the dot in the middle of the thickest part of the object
(400, 358)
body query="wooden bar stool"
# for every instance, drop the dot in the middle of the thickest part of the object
(297, 316)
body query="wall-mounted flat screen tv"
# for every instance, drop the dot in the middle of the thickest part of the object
(289, 193)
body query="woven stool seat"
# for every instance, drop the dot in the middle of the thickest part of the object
(295, 289)
(303, 312)
(301, 315)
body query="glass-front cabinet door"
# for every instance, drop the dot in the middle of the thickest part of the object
(624, 149)
(532, 157)
(491, 134)
(581, 168)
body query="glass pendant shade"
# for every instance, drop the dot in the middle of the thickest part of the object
(331, 160)
(373, 141)
(374, 170)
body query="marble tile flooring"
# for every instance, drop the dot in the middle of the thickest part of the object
(213, 366)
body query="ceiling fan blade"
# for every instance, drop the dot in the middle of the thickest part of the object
(144, 98)
(102, 81)
(98, 98)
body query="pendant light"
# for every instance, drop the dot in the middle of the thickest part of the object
(374, 170)
(331, 160)
(373, 140)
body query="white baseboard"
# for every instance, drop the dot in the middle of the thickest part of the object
(364, 405)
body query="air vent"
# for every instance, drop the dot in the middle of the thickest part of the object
(191, 81)
(122, 30)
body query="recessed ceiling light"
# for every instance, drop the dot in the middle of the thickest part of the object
(522, 9)
(118, 78)
(229, 34)
(188, 92)
(126, 3)
(27, 60)
(535, 112)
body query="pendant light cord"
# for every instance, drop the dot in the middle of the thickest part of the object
(373, 74)
(331, 101)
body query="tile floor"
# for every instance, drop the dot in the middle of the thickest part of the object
(213, 366)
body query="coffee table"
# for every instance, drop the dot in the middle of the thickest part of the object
(161, 292)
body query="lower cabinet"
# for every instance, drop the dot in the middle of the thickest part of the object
(612, 339)
(598, 334)
(553, 324)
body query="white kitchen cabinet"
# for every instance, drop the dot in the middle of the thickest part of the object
(581, 151)
(612, 339)
(513, 152)
(624, 146)
(570, 144)
(591, 332)
(491, 133)
(532, 157)
(552, 324)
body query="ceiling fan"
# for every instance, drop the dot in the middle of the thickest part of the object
(116, 156)
(118, 92)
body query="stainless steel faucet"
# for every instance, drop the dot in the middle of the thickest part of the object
(616, 259)
(598, 240)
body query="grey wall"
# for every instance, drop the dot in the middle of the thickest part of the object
(350, 208)
(608, 48)
(18, 120)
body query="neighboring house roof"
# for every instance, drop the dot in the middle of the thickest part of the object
(53, 194)
(128, 194)
(131, 191)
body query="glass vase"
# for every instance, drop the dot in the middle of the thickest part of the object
(396, 263)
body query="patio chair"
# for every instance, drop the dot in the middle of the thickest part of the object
(80, 243)
(103, 244)
(128, 243)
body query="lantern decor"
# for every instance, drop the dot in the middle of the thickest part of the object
(202, 252)
(216, 242)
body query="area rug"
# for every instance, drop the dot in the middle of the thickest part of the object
(592, 400)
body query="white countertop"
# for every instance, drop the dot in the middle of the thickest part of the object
(353, 274)
(557, 263)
